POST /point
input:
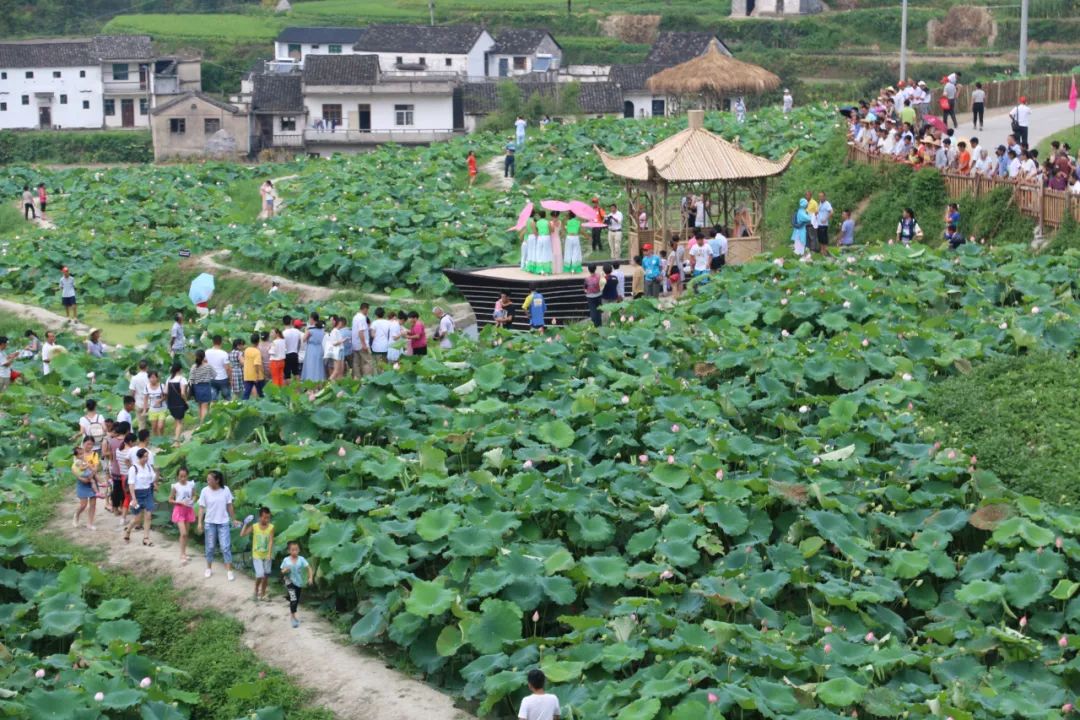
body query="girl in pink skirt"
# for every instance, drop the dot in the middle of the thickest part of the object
(182, 498)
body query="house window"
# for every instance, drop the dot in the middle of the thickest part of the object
(119, 71)
(82, 73)
(3, 75)
(25, 99)
(334, 49)
(542, 63)
(295, 51)
(403, 114)
(519, 62)
(331, 114)
(110, 107)
(314, 47)
(144, 106)
(29, 74)
(288, 124)
(449, 62)
(63, 99)
(56, 73)
(211, 125)
(177, 126)
(400, 60)
(85, 104)
(423, 61)
(3, 106)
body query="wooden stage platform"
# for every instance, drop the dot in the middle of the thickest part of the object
(564, 293)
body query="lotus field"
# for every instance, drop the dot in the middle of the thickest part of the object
(728, 509)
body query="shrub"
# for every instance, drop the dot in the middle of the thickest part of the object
(82, 146)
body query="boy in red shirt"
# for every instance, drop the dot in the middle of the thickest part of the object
(472, 168)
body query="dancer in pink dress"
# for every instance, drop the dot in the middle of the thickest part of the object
(556, 243)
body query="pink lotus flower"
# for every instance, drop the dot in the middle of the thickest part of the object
(712, 698)
(633, 616)
(827, 648)
(527, 464)
(341, 452)
(667, 575)
(99, 696)
(974, 459)
(1023, 621)
(828, 629)
(666, 324)
(1067, 708)
(865, 342)
(670, 459)
(870, 637)
(911, 406)
(536, 616)
(39, 674)
(951, 455)
(625, 399)
(311, 395)
(720, 474)
(145, 683)
(675, 428)
(1063, 641)
(1058, 542)
(643, 458)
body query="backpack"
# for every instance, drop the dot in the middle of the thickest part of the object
(96, 429)
(795, 220)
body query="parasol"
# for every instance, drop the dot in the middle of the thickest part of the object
(557, 205)
(523, 217)
(585, 211)
(936, 122)
(202, 287)
(593, 223)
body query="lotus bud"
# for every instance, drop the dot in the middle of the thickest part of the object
(865, 342)
(1003, 326)
(911, 406)
(76, 391)
(1058, 542)
(536, 616)
(625, 399)
(527, 464)
(951, 455)
(817, 460)
(870, 637)
(906, 377)
(713, 698)
(847, 304)
(99, 696)
(645, 356)
(633, 616)
(783, 301)
(145, 683)
(675, 428)
(667, 575)
(784, 333)
(828, 629)
(643, 458)
(1063, 641)
(720, 474)
(1067, 708)
(670, 459)
(341, 452)
(39, 674)
(666, 324)
(397, 366)
(1035, 310)
(622, 318)
(974, 459)
(827, 648)
(90, 375)
(1023, 621)
(803, 409)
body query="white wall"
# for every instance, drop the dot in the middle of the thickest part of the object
(281, 49)
(431, 112)
(388, 61)
(643, 101)
(475, 64)
(70, 115)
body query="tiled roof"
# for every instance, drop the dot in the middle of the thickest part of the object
(446, 39)
(277, 94)
(595, 97)
(519, 41)
(674, 48)
(122, 47)
(341, 70)
(320, 35)
(633, 77)
(192, 95)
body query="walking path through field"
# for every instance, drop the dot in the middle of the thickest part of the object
(493, 168)
(40, 316)
(43, 223)
(353, 685)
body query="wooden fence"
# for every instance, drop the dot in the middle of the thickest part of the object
(1006, 93)
(1045, 206)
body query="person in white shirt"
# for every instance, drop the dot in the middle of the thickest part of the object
(620, 280)
(362, 361)
(292, 336)
(538, 705)
(217, 514)
(48, 350)
(519, 128)
(141, 477)
(701, 253)
(614, 234)
(218, 359)
(1021, 119)
(138, 387)
(789, 101)
(446, 328)
(380, 335)
(67, 294)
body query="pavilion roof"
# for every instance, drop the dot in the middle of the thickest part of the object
(713, 74)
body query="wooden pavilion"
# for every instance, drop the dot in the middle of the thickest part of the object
(731, 181)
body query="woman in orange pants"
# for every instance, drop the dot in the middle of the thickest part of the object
(277, 358)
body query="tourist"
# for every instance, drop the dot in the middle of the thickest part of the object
(277, 358)
(847, 229)
(984, 166)
(978, 106)
(67, 294)
(718, 244)
(519, 131)
(556, 243)
(701, 212)
(789, 101)
(85, 466)
(156, 410)
(637, 278)
(502, 315)
(963, 158)
(92, 425)
(614, 235)
(362, 362)
(218, 359)
(620, 281)
(700, 255)
(398, 342)
(948, 109)
(470, 162)
(33, 345)
(800, 221)
(28, 204)
(334, 348)
(907, 114)
(49, 350)
(538, 705)
(675, 271)
(528, 244)
(542, 258)
(952, 214)
(274, 287)
(182, 498)
(176, 393)
(236, 368)
(201, 382)
(380, 336)
(593, 294)
(534, 305)
(572, 251)
(5, 364)
(313, 369)
(216, 512)
(141, 479)
(43, 199)
(177, 341)
(908, 228)
(292, 570)
(416, 333)
(941, 156)
(293, 338)
(268, 197)
(262, 552)
(953, 236)
(264, 352)
(508, 161)
(94, 346)
(446, 327)
(1001, 168)
(598, 223)
(125, 456)
(1021, 120)
(609, 290)
(653, 272)
(114, 445)
(740, 110)
(824, 217)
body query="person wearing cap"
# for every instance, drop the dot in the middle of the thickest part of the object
(1021, 119)
(789, 102)
(67, 294)
(94, 346)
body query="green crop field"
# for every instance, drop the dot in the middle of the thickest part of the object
(210, 27)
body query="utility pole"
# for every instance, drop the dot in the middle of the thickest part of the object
(903, 40)
(1023, 36)
(431, 10)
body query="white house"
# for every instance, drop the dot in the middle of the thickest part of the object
(774, 8)
(523, 51)
(428, 49)
(349, 103)
(296, 43)
(104, 81)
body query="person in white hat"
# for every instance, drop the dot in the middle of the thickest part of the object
(789, 101)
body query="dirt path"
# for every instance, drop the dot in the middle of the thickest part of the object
(352, 685)
(40, 316)
(43, 223)
(493, 168)
(279, 202)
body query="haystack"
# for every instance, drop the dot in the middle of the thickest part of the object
(713, 77)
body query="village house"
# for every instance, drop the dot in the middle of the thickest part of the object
(524, 51)
(296, 43)
(670, 48)
(196, 125)
(428, 49)
(774, 8)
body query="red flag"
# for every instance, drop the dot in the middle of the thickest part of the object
(1072, 95)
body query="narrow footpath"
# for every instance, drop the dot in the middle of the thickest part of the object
(351, 684)
(493, 168)
(41, 317)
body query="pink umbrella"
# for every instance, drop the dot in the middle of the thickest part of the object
(593, 223)
(526, 213)
(936, 122)
(558, 205)
(585, 211)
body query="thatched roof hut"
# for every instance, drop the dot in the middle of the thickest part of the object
(712, 77)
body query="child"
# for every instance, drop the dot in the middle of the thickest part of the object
(954, 238)
(847, 230)
(534, 305)
(262, 552)
(539, 705)
(85, 467)
(129, 407)
(182, 498)
(292, 570)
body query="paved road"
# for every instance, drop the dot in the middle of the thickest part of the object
(1046, 121)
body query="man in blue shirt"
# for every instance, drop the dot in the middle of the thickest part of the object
(535, 306)
(653, 267)
(718, 244)
(1002, 162)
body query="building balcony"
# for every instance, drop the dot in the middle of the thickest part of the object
(402, 136)
(132, 86)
